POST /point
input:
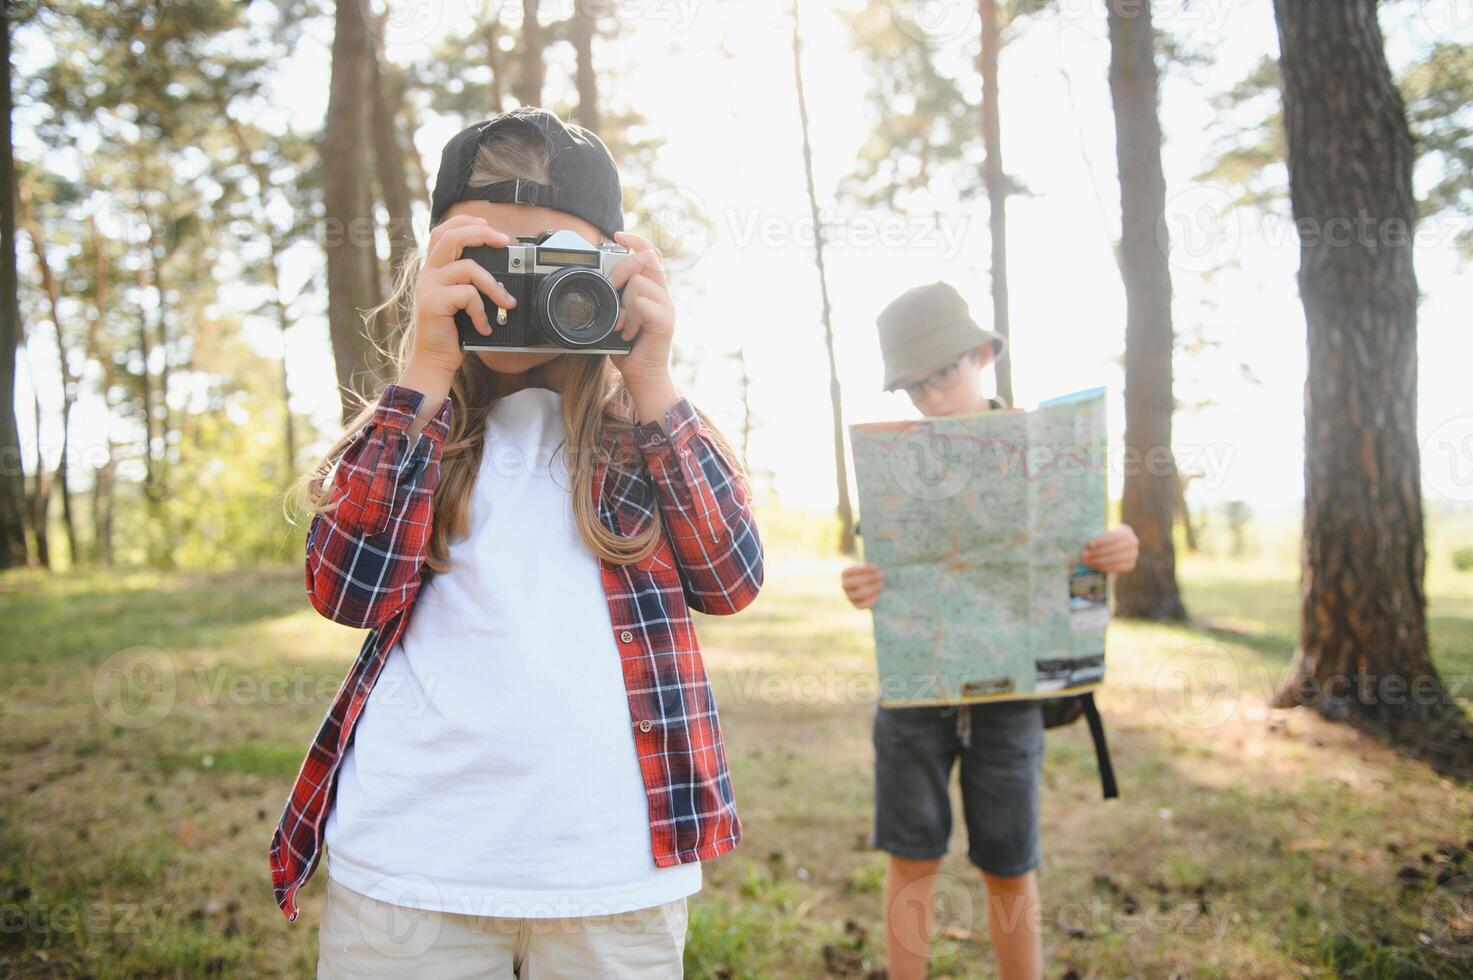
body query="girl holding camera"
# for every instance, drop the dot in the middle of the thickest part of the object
(523, 778)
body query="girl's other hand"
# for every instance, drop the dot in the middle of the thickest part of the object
(1114, 552)
(647, 313)
(448, 284)
(862, 585)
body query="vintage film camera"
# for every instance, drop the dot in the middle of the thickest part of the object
(565, 301)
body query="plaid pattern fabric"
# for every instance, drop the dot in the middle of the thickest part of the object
(366, 563)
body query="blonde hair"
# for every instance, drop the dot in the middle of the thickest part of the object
(597, 408)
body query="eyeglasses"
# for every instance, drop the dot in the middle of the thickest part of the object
(938, 379)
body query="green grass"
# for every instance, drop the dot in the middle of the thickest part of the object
(151, 725)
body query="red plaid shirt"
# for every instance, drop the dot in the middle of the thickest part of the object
(366, 563)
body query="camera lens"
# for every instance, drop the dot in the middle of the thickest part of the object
(577, 307)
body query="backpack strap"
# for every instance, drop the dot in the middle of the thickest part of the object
(1102, 748)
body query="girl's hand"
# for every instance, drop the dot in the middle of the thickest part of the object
(1114, 552)
(862, 585)
(447, 284)
(647, 315)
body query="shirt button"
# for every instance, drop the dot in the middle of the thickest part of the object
(626, 637)
(645, 725)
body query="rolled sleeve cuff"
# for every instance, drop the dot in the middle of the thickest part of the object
(682, 421)
(398, 406)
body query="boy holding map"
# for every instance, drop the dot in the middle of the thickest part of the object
(935, 352)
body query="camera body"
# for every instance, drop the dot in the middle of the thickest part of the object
(565, 299)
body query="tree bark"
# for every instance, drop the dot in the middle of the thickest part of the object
(529, 85)
(102, 476)
(491, 32)
(69, 385)
(581, 32)
(352, 262)
(1363, 630)
(996, 182)
(262, 173)
(388, 157)
(841, 469)
(13, 551)
(1149, 501)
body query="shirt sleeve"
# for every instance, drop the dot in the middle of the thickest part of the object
(705, 511)
(365, 552)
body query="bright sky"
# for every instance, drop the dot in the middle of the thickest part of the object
(733, 150)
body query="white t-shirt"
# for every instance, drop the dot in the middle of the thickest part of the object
(493, 770)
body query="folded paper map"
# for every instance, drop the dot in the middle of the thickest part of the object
(976, 522)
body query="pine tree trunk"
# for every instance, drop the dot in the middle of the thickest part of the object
(1363, 629)
(352, 262)
(996, 181)
(581, 32)
(1149, 501)
(12, 474)
(836, 401)
(69, 381)
(529, 85)
(389, 164)
(490, 32)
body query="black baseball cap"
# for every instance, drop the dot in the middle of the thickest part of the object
(584, 180)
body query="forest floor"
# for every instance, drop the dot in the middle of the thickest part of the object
(1247, 842)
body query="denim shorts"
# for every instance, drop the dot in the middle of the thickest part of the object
(1001, 758)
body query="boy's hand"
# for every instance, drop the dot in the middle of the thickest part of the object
(862, 585)
(1114, 552)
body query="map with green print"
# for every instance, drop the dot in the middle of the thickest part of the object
(976, 522)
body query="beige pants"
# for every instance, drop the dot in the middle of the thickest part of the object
(364, 937)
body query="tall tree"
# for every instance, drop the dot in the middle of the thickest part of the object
(1149, 501)
(70, 384)
(1363, 630)
(529, 85)
(390, 166)
(352, 262)
(836, 401)
(996, 182)
(12, 477)
(581, 32)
